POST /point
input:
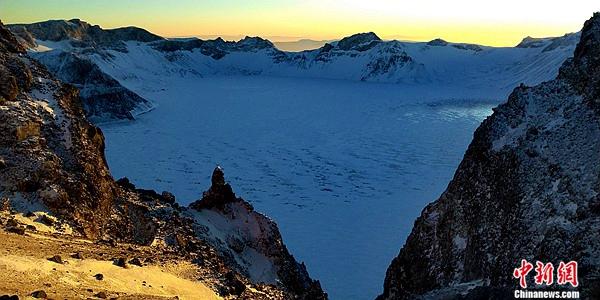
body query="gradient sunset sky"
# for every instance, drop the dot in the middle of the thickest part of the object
(497, 23)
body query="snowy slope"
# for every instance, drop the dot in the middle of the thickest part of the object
(138, 59)
(469, 66)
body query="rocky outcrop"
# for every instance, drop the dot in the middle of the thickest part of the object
(249, 240)
(388, 61)
(222, 233)
(218, 48)
(437, 43)
(53, 169)
(359, 42)
(527, 188)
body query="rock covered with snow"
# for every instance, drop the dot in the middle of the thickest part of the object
(549, 44)
(527, 188)
(359, 41)
(437, 42)
(249, 240)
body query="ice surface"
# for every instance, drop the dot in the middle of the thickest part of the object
(343, 167)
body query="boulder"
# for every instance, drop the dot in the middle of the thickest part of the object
(39, 294)
(57, 259)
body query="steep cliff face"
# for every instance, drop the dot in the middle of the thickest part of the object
(53, 172)
(50, 152)
(527, 188)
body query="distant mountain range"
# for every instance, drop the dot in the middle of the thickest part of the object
(107, 61)
(301, 45)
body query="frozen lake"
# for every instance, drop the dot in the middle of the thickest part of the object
(343, 167)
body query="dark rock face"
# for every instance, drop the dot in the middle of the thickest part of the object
(388, 60)
(103, 97)
(219, 48)
(9, 43)
(462, 46)
(360, 41)
(527, 188)
(218, 195)
(215, 49)
(437, 42)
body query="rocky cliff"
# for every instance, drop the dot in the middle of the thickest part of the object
(53, 173)
(103, 97)
(49, 151)
(527, 188)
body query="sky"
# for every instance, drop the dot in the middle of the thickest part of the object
(494, 23)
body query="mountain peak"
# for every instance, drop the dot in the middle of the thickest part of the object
(589, 44)
(8, 42)
(437, 42)
(255, 42)
(582, 71)
(76, 29)
(531, 42)
(351, 42)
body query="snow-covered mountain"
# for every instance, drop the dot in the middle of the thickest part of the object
(103, 97)
(138, 60)
(527, 188)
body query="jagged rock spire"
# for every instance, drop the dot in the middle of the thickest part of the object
(218, 177)
(219, 193)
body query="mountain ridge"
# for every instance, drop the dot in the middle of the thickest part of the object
(130, 57)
